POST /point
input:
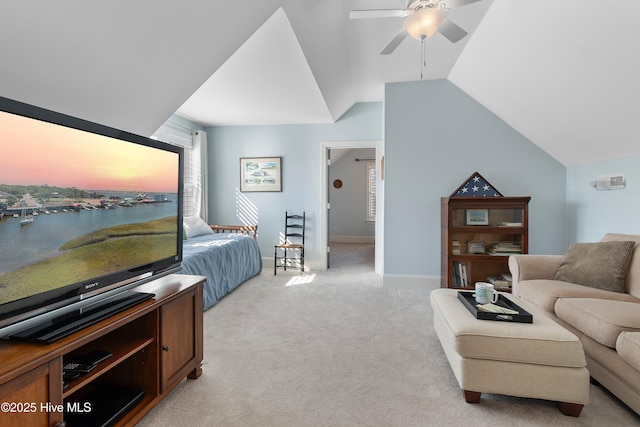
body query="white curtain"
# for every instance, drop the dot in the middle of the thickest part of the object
(199, 174)
(194, 143)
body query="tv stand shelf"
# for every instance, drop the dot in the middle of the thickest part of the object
(154, 345)
(121, 354)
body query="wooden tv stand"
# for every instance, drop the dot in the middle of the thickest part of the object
(154, 344)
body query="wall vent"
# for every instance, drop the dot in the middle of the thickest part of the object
(610, 182)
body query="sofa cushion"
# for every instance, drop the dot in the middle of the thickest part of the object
(601, 320)
(633, 272)
(628, 347)
(601, 265)
(545, 293)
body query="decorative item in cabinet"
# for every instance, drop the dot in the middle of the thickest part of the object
(475, 247)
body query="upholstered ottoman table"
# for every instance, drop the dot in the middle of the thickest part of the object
(540, 360)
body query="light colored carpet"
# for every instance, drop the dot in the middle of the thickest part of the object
(337, 348)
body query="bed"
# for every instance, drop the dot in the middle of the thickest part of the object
(227, 255)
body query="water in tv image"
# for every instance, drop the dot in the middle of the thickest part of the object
(75, 206)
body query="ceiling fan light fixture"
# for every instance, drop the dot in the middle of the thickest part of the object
(424, 22)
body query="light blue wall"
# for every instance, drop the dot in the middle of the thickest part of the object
(300, 147)
(436, 136)
(593, 213)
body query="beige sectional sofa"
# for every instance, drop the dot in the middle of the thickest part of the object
(594, 292)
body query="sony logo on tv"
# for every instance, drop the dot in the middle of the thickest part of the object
(91, 285)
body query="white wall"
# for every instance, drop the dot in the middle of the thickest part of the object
(301, 149)
(593, 213)
(436, 136)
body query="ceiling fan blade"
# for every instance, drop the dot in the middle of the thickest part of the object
(451, 31)
(457, 3)
(394, 42)
(377, 13)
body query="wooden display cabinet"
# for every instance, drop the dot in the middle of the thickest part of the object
(477, 236)
(154, 345)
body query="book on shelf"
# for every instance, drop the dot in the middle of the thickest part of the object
(500, 282)
(510, 224)
(455, 247)
(505, 248)
(459, 279)
(464, 275)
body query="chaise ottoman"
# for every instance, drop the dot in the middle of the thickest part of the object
(539, 360)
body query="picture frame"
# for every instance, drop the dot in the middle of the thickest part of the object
(477, 217)
(260, 174)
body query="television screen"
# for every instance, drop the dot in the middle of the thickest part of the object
(82, 207)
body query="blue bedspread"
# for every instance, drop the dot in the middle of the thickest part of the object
(225, 259)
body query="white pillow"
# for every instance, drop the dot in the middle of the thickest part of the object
(195, 226)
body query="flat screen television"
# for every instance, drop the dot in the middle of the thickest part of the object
(86, 212)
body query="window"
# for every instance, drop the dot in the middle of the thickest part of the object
(182, 137)
(371, 191)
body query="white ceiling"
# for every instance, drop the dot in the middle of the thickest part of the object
(563, 73)
(268, 80)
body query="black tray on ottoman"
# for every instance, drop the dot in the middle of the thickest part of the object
(469, 300)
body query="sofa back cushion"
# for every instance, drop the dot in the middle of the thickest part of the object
(632, 282)
(601, 265)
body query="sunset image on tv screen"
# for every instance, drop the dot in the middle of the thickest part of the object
(76, 205)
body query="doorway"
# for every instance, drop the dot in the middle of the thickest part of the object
(354, 157)
(351, 217)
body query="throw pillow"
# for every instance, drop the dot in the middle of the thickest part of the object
(601, 265)
(195, 226)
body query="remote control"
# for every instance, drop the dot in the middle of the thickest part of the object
(69, 376)
(77, 367)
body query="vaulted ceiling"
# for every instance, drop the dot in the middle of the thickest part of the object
(563, 73)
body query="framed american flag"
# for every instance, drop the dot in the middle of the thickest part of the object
(476, 186)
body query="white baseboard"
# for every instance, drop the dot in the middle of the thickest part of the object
(411, 282)
(352, 239)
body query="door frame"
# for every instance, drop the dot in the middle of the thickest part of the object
(323, 194)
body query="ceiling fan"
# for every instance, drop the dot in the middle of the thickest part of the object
(422, 19)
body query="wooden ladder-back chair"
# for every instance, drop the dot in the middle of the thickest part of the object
(292, 249)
